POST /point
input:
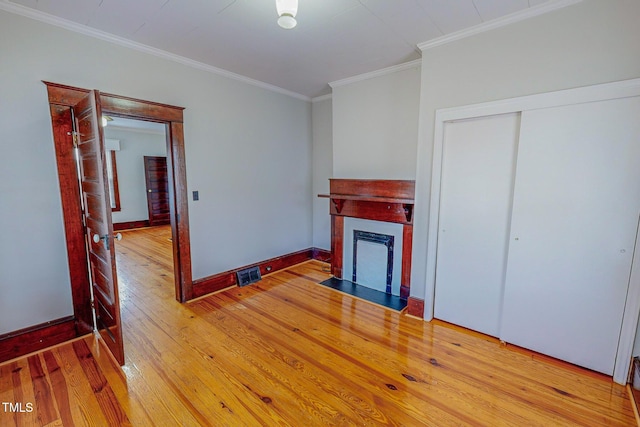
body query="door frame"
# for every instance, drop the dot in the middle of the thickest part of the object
(430, 222)
(61, 99)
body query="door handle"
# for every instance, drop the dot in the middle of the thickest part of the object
(105, 239)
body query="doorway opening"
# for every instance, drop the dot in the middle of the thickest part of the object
(62, 100)
(136, 163)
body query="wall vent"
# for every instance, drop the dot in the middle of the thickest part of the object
(248, 276)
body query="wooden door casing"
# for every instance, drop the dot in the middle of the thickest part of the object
(157, 190)
(98, 225)
(61, 99)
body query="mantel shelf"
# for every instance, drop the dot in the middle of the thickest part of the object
(367, 198)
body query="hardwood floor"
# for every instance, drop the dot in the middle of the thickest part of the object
(286, 351)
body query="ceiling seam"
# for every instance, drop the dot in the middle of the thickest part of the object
(390, 29)
(475, 6)
(426, 12)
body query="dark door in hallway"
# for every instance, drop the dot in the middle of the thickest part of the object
(155, 172)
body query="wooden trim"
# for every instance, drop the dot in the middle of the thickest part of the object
(128, 225)
(321, 254)
(373, 199)
(228, 278)
(393, 189)
(337, 245)
(139, 109)
(64, 95)
(72, 215)
(407, 247)
(116, 188)
(377, 211)
(178, 206)
(34, 338)
(115, 104)
(415, 307)
(61, 98)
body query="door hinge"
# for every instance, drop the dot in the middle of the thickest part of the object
(74, 134)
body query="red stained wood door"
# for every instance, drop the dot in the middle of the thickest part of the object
(99, 228)
(155, 172)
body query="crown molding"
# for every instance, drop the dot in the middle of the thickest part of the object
(37, 15)
(322, 97)
(378, 73)
(497, 23)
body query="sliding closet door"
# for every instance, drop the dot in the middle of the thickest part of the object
(575, 218)
(475, 207)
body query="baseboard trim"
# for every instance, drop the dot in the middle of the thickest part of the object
(321, 254)
(34, 338)
(415, 307)
(227, 279)
(117, 226)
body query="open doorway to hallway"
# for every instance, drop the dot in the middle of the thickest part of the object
(136, 163)
(136, 153)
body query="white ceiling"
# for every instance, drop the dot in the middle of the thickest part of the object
(334, 39)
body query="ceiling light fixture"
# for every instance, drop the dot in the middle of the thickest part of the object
(287, 10)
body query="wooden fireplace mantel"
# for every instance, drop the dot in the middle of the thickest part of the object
(373, 199)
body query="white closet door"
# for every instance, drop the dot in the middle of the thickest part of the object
(575, 217)
(475, 207)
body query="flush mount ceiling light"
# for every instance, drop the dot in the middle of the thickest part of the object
(287, 10)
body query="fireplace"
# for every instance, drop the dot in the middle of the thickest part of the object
(389, 202)
(374, 262)
(373, 251)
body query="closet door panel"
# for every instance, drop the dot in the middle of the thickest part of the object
(575, 218)
(475, 207)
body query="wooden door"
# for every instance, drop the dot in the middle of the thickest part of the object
(99, 228)
(478, 165)
(155, 172)
(574, 225)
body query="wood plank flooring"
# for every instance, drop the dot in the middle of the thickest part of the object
(289, 352)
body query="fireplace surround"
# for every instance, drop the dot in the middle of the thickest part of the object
(373, 199)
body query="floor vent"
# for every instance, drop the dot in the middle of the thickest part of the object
(248, 276)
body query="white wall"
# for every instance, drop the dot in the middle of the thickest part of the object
(584, 44)
(134, 145)
(248, 152)
(322, 171)
(375, 126)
